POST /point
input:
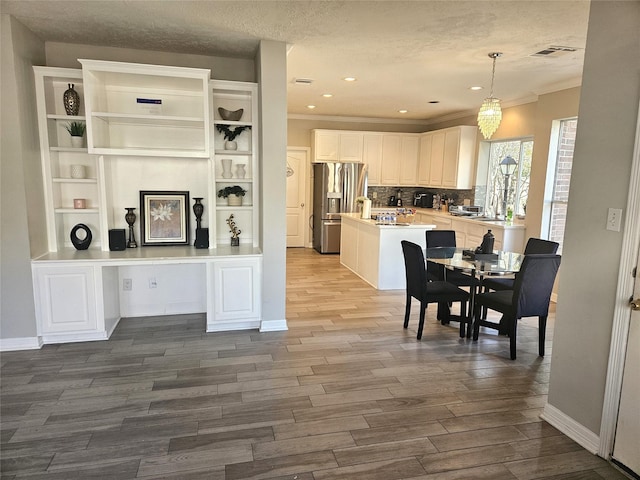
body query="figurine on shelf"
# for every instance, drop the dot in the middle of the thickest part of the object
(230, 134)
(130, 217)
(234, 230)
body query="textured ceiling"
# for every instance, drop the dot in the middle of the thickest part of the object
(404, 53)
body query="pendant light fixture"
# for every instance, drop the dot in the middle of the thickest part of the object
(490, 114)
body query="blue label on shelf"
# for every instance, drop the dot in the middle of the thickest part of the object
(152, 101)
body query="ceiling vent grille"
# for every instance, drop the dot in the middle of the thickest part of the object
(554, 51)
(302, 81)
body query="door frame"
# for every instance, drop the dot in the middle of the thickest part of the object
(307, 191)
(621, 314)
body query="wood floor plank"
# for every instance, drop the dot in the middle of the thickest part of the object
(344, 393)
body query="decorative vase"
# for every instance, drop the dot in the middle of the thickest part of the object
(130, 217)
(226, 168)
(76, 142)
(235, 241)
(234, 200)
(240, 170)
(78, 171)
(230, 145)
(198, 209)
(81, 243)
(71, 100)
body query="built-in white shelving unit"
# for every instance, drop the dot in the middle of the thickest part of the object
(234, 96)
(57, 156)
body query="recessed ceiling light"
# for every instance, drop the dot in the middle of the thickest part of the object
(327, 95)
(475, 88)
(349, 79)
(311, 107)
(403, 111)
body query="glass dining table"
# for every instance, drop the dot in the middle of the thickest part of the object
(503, 263)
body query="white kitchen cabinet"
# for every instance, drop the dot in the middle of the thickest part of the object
(447, 158)
(399, 159)
(409, 152)
(148, 110)
(337, 146)
(372, 156)
(60, 185)
(391, 150)
(424, 160)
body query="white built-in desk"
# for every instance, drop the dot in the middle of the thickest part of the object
(78, 293)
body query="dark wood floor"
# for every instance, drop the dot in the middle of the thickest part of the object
(346, 393)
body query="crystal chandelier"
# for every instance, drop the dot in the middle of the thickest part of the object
(490, 114)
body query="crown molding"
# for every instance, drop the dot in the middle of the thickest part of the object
(336, 118)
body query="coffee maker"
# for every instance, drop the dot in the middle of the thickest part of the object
(423, 200)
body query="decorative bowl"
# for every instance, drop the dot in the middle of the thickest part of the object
(231, 116)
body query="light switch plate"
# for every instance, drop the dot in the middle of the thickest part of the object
(614, 219)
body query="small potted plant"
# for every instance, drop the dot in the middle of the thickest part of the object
(234, 230)
(230, 134)
(76, 130)
(233, 194)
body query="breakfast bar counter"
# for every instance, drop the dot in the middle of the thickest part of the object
(373, 251)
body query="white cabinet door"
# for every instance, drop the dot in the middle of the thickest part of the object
(458, 159)
(66, 298)
(410, 146)
(372, 156)
(325, 146)
(437, 159)
(337, 146)
(391, 152)
(236, 290)
(424, 163)
(350, 147)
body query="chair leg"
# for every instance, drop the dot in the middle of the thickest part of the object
(476, 322)
(444, 312)
(468, 318)
(423, 311)
(463, 319)
(407, 311)
(542, 327)
(512, 338)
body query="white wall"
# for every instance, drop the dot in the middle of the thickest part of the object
(21, 183)
(599, 180)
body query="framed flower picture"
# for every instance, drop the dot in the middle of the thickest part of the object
(165, 218)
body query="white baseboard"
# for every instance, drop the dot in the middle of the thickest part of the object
(572, 429)
(74, 337)
(20, 343)
(229, 325)
(273, 325)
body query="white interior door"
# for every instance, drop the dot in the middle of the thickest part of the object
(626, 449)
(296, 192)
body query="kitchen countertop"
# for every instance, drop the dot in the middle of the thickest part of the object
(516, 224)
(373, 223)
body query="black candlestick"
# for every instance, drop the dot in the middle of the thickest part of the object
(130, 217)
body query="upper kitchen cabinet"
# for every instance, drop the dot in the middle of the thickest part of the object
(399, 159)
(447, 158)
(151, 110)
(337, 146)
(372, 156)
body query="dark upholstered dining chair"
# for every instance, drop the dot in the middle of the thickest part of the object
(431, 292)
(436, 272)
(530, 297)
(535, 246)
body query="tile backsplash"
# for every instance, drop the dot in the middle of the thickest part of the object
(407, 193)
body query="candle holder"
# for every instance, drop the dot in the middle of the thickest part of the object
(130, 217)
(198, 209)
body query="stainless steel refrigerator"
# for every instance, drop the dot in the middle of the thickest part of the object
(335, 189)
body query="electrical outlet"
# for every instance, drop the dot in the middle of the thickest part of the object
(152, 282)
(375, 195)
(127, 284)
(614, 219)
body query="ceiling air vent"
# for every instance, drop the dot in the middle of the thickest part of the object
(302, 81)
(554, 51)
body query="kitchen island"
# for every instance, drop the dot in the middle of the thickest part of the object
(374, 253)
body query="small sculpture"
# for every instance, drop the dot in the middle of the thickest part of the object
(130, 217)
(234, 230)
